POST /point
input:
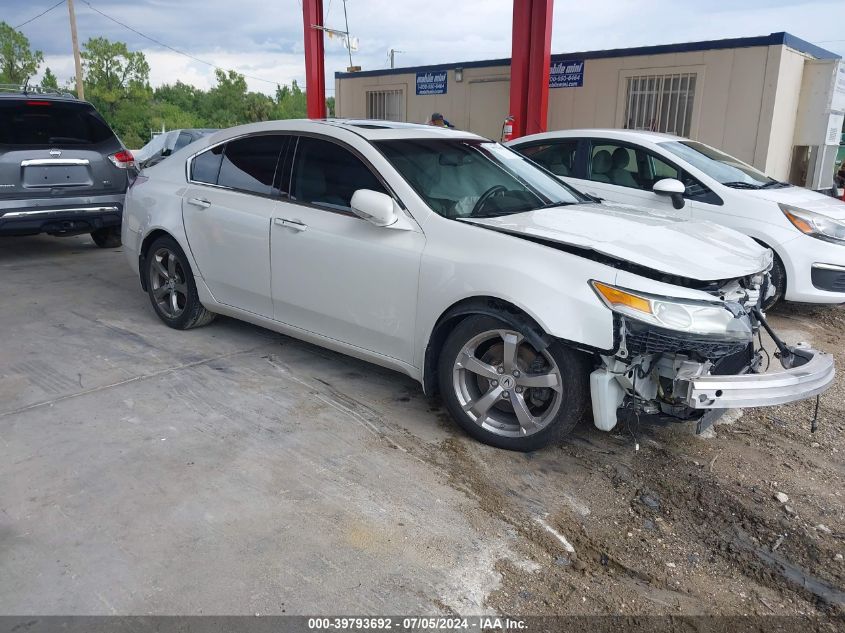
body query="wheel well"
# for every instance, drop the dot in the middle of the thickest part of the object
(142, 254)
(778, 259)
(490, 306)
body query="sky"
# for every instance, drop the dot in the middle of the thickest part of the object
(264, 38)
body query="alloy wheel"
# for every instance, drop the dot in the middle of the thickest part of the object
(505, 385)
(168, 283)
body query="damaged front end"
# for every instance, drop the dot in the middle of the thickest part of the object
(682, 359)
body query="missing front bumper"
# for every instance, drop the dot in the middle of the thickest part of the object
(761, 390)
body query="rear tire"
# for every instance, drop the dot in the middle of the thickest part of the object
(777, 277)
(504, 392)
(171, 286)
(108, 237)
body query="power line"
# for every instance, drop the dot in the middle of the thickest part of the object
(32, 19)
(175, 50)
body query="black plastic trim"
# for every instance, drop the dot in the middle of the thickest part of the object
(828, 279)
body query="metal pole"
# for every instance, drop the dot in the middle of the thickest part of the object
(80, 91)
(530, 58)
(392, 55)
(315, 71)
(540, 48)
(348, 39)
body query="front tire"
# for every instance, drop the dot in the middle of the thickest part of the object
(504, 392)
(777, 277)
(108, 237)
(171, 286)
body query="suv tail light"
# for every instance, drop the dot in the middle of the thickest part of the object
(123, 159)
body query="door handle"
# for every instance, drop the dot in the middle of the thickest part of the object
(199, 202)
(291, 224)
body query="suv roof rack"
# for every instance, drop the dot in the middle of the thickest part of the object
(25, 89)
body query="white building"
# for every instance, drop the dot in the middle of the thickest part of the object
(774, 101)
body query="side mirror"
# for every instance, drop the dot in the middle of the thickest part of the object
(374, 207)
(672, 188)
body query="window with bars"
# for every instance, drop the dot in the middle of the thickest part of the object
(660, 103)
(387, 105)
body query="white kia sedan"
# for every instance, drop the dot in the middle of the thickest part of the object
(805, 229)
(459, 262)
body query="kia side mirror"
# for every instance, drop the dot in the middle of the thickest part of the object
(673, 188)
(374, 207)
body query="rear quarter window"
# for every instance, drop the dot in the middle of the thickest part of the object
(54, 123)
(206, 166)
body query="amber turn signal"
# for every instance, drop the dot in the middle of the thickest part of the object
(616, 297)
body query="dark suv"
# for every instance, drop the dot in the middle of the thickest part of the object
(62, 169)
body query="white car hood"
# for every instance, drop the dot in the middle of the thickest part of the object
(804, 199)
(697, 250)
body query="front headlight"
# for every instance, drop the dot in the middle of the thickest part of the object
(815, 224)
(682, 315)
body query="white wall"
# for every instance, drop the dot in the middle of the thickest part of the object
(746, 98)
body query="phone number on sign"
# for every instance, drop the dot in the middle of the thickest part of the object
(387, 623)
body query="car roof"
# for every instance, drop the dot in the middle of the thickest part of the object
(621, 134)
(376, 129)
(369, 129)
(12, 92)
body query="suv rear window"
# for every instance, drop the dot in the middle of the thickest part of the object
(43, 122)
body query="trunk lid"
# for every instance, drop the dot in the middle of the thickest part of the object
(696, 250)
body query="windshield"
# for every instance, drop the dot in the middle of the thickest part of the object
(461, 178)
(726, 169)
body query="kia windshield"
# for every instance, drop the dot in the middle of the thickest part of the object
(461, 178)
(726, 169)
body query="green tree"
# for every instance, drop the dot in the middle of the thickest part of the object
(49, 80)
(180, 95)
(290, 102)
(224, 104)
(113, 73)
(18, 62)
(117, 83)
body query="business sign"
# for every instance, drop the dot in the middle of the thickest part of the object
(431, 83)
(567, 74)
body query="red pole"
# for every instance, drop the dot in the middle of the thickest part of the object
(540, 56)
(315, 70)
(519, 64)
(530, 59)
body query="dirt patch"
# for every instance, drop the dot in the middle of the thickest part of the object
(684, 525)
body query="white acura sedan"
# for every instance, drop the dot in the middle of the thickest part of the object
(805, 229)
(457, 261)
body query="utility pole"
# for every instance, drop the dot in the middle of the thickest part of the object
(80, 91)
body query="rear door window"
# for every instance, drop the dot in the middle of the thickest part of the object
(249, 164)
(556, 156)
(53, 123)
(616, 165)
(326, 174)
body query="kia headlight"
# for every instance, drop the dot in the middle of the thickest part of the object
(681, 315)
(815, 224)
